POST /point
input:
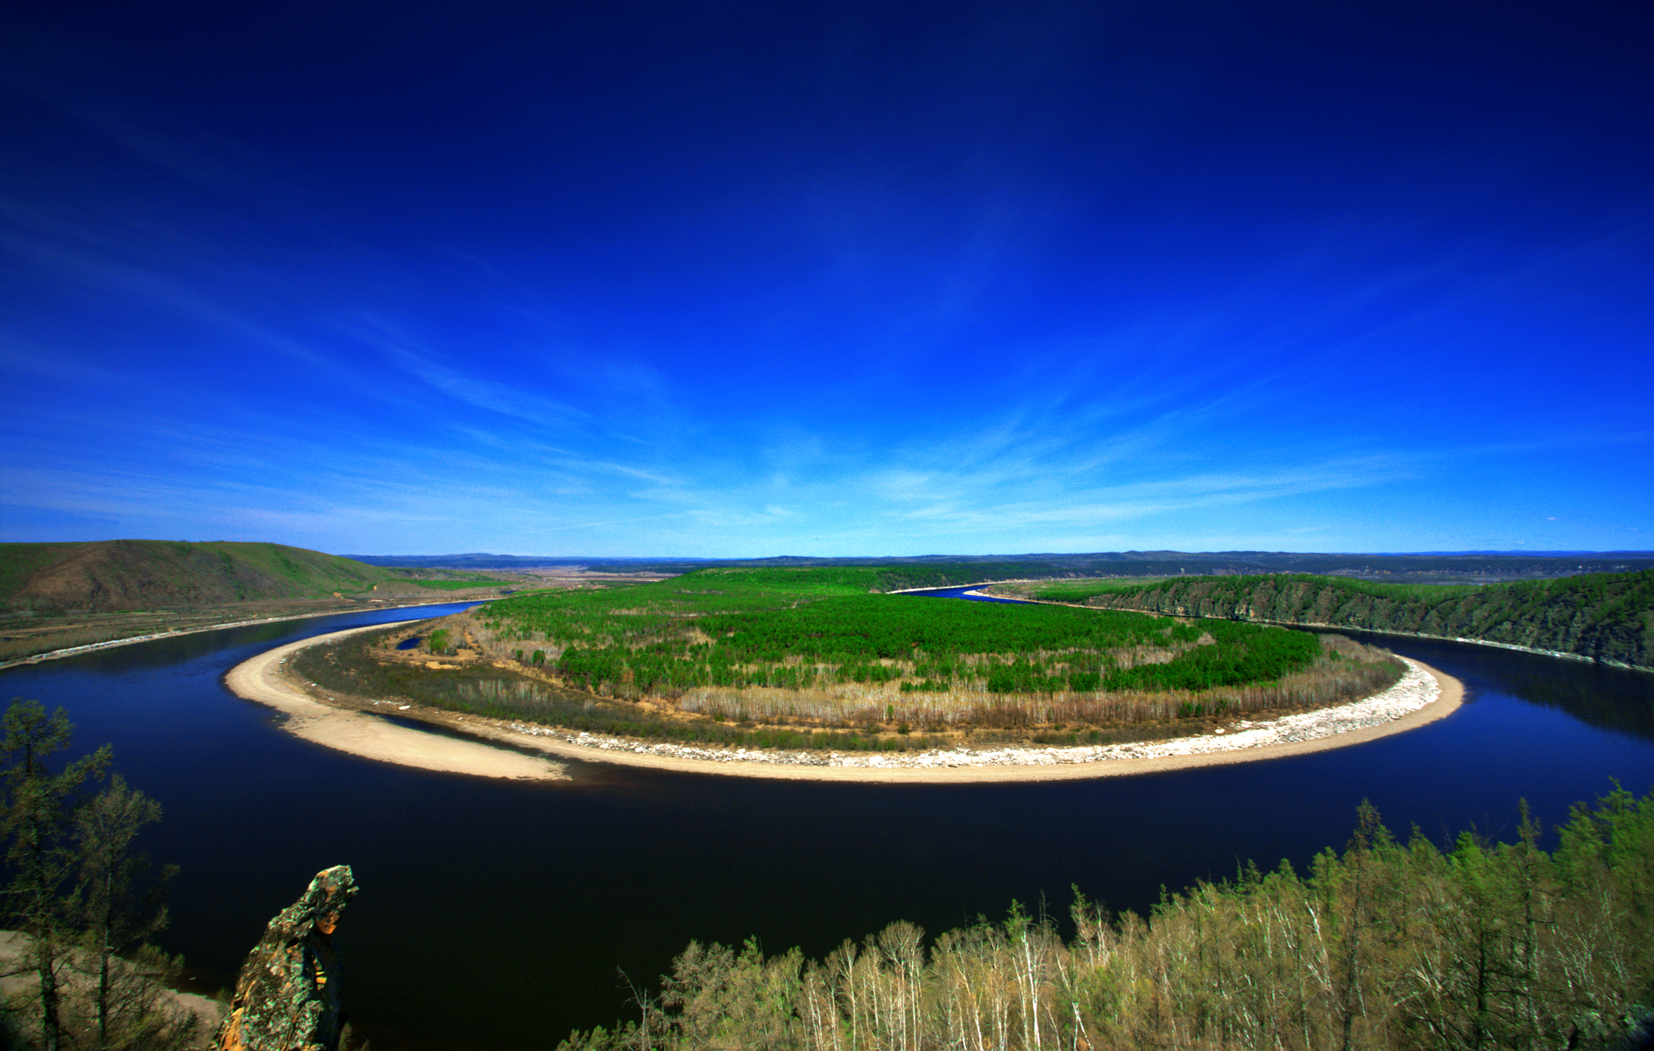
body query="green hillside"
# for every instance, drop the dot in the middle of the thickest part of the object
(115, 575)
(1607, 617)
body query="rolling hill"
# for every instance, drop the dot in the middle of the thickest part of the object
(108, 576)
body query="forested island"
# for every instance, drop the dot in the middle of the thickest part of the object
(823, 658)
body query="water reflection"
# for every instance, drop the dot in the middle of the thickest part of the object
(1612, 698)
(1616, 699)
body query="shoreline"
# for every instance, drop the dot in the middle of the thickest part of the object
(175, 633)
(1423, 695)
(263, 680)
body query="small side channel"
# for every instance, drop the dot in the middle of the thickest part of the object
(963, 592)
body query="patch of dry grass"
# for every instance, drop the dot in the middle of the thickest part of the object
(1346, 671)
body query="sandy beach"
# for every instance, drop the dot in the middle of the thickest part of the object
(1422, 696)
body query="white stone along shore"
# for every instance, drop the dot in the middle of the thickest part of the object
(1416, 689)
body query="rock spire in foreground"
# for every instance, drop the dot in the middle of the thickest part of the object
(287, 998)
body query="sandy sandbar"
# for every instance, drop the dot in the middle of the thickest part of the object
(1424, 695)
(309, 715)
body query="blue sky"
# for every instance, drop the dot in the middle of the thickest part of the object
(738, 279)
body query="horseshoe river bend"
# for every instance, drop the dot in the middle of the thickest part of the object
(493, 914)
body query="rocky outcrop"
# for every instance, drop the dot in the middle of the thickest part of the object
(287, 998)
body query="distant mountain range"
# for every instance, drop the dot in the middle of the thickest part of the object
(1430, 567)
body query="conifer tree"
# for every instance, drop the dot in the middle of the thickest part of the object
(37, 819)
(116, 910)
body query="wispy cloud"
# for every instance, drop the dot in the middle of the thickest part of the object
(483, 393)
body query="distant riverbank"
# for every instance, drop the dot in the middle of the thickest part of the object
(1324, 626)
(1594, 617)
(1423, 695)
(173, 633)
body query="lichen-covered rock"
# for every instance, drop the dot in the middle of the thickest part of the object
(287, 998)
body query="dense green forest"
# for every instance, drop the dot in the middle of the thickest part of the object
(1389, 945)
(1606, 617)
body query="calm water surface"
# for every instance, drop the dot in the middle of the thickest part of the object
(494, 915)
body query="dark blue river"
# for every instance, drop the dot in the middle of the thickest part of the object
(494, 915)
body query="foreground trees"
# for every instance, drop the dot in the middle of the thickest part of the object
(79, 892)
(117, 907)
(1389, 945)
